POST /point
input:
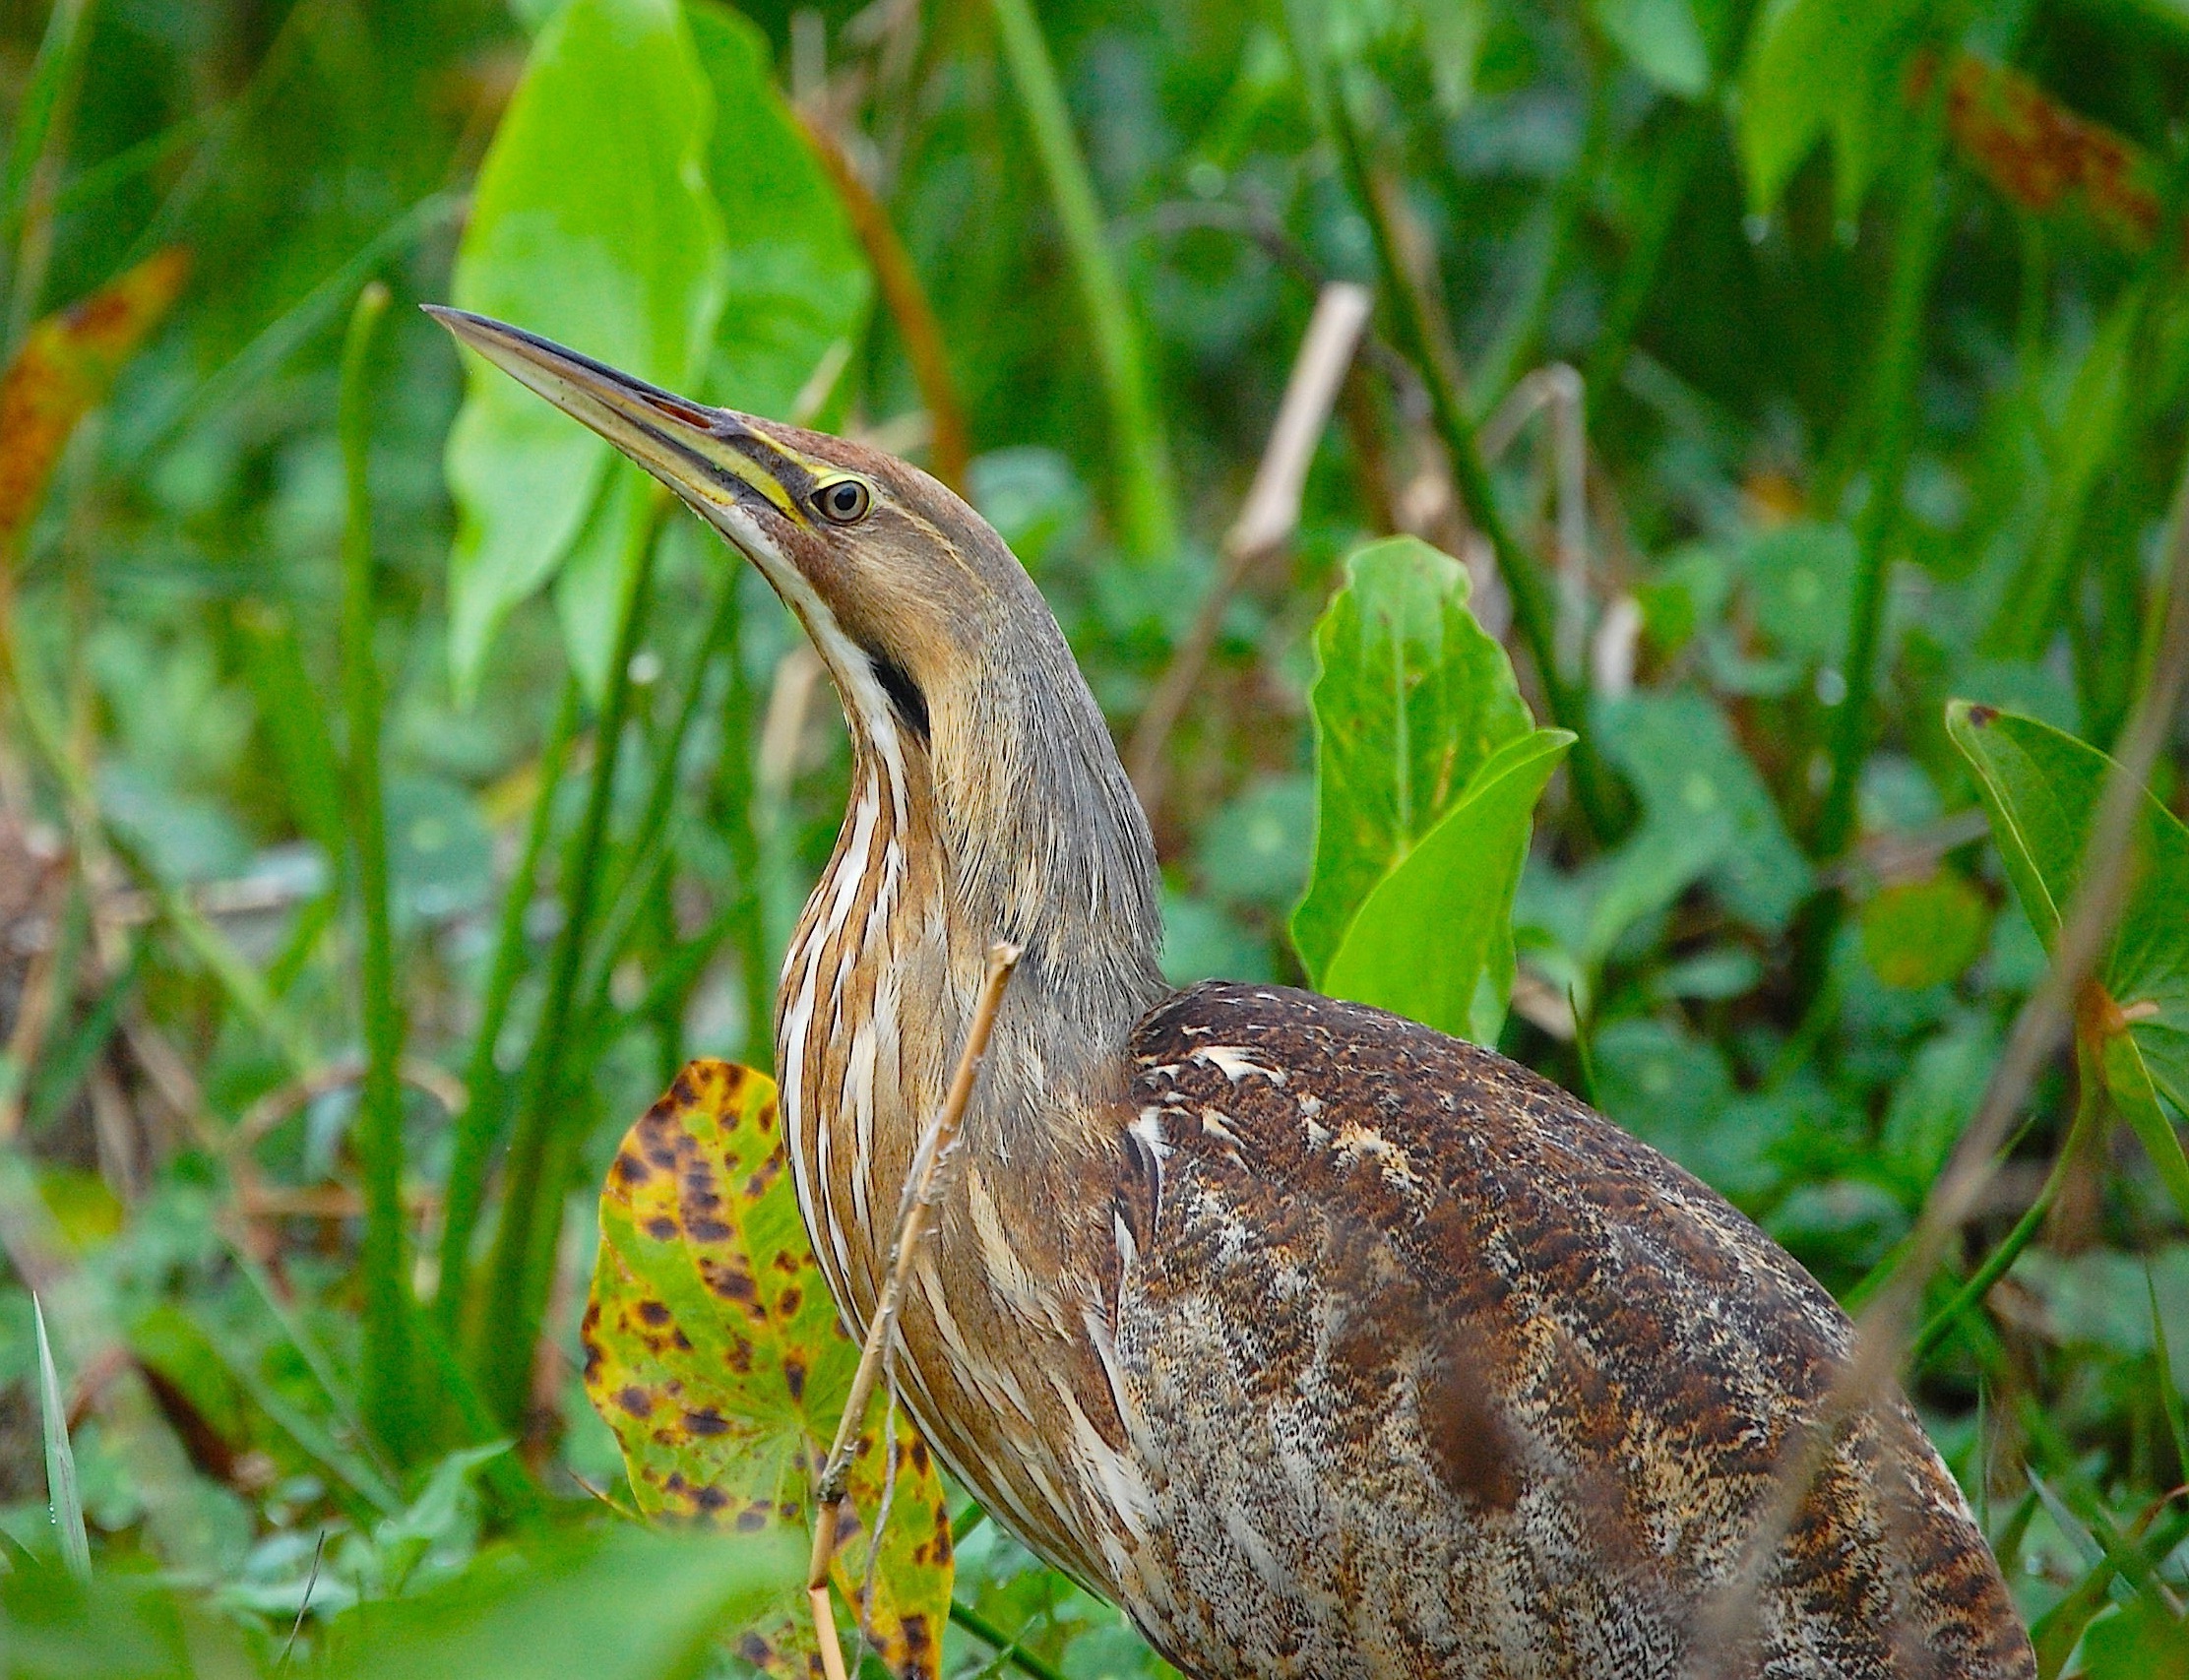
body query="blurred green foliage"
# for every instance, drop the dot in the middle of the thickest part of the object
(1877, 324)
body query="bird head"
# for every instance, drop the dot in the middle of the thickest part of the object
(906, 592)
(952, 670)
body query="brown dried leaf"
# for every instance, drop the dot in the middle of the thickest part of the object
(63, 371)
(2046, 158)
(713, 1351)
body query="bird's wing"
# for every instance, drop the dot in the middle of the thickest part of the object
(1474, 1329)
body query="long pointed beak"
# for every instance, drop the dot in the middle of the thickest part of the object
(710, 457)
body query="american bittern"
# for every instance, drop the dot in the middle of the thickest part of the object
(1321, 1343)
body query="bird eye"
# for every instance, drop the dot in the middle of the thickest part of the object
(845, 502)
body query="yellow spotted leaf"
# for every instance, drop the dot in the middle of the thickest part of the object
(713, 1351)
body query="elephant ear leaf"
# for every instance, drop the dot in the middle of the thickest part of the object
(713, 1351)
(1427, 769)
(2041, 788)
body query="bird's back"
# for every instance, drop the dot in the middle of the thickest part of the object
(1432, 1370)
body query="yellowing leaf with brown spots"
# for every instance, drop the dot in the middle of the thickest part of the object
(713, 1351)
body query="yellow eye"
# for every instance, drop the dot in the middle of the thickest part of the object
(843, 501)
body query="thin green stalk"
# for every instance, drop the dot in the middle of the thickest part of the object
(250, 366)
(34, 158)
(1899, 354)
(1535, 612)
(1518, 341)
(2089, 1104)
(735, 819)
(1002, 1643)
(1148, 510)
(389, 1398)
(638, 873)
(522, 1265)
(1669, 183)
(480, 1127)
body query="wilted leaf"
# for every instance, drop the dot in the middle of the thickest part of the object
(63, 371)
(2041, 789)
(1433, 941)
(1410, 698)
(593, 224)
(2046, 157)
(1924, 933)
(713, 1351)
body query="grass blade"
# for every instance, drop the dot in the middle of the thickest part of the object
(480, 1127)
(60, 1458)
(515, 1290)
(1149, 514)
(389, 1398)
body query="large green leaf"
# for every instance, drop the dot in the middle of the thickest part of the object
(1433, 940)
(1412, 697)
(713, 1350)
(798, 280)
(1818, 66)
(795, 284)
(2041, 788)
(591, 223)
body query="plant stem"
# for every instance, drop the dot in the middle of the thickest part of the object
(1149, 517)
(732, 809)
(522, 1265)
(1914, 261)
(1669, 180)
(389, 1398)
(44, 123)
(907, 304)
(1534, 612)
(2089, 1104)
(1002, 1643)
(479, 1127)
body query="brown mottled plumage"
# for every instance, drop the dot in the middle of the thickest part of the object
(1323, 1344)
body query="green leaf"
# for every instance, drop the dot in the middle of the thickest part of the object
(713, 1351)
(617, 1604)
(2136, 1640)
(1824, 65)
(797, 280)
(1924, 933)
(1433, 941)
(1661, 38)
(1410, 698)
(591, 223)
(1706, 813)
(2041, 788)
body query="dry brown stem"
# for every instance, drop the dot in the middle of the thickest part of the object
(1267, 517)
(925, 1187)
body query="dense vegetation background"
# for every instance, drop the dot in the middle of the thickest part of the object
(386, 812)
